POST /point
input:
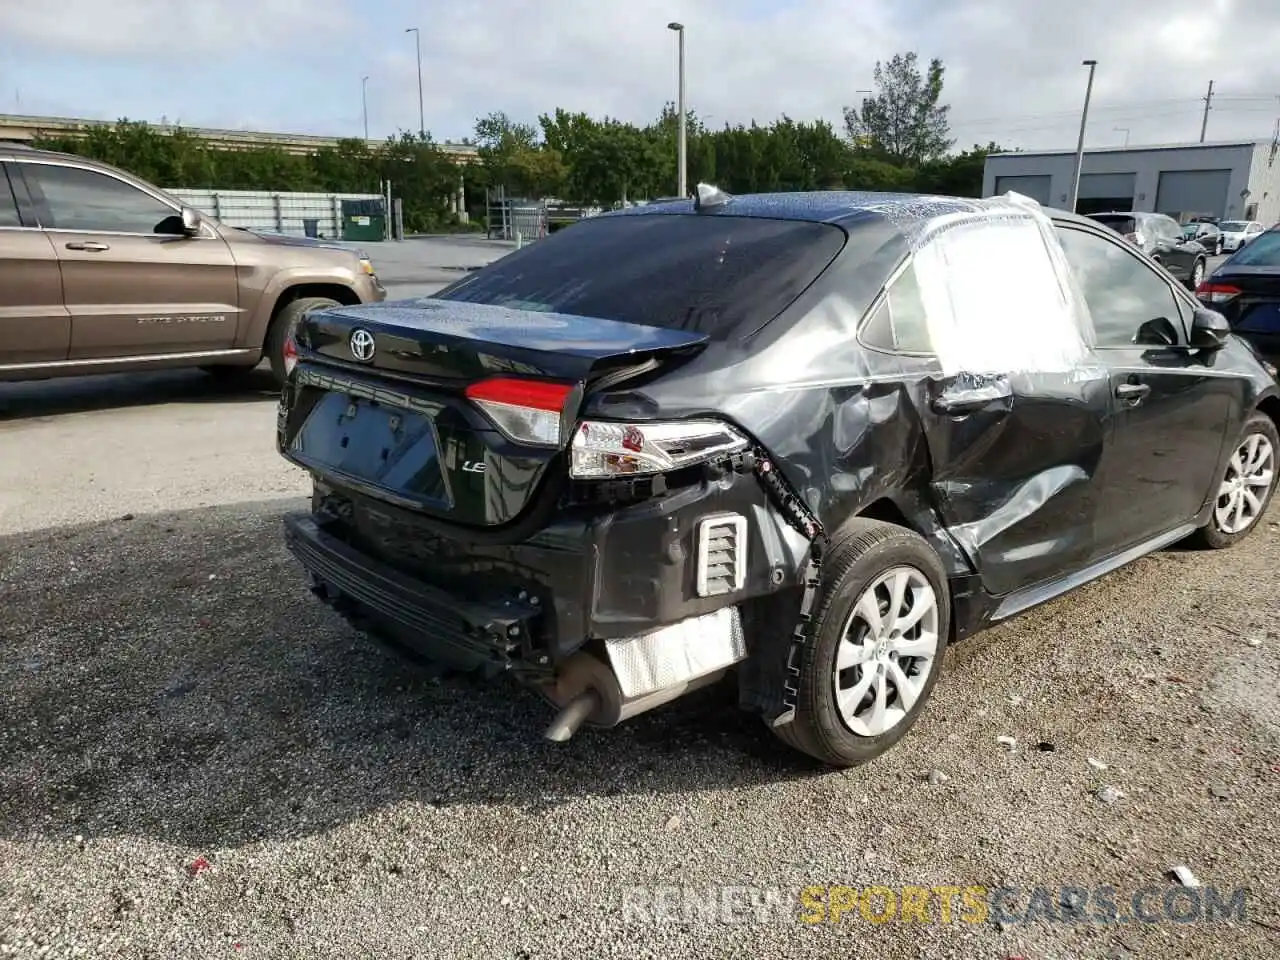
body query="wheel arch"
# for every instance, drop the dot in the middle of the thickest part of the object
(1270, 405)
(345, 295)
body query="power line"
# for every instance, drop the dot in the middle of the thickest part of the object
(1112, 107)
(1053, 121)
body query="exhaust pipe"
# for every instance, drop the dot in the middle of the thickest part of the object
(571, 718)
(587, 691)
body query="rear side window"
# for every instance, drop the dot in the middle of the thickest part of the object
(8, 204)
(1118, 224)
(1263, 251)
(712, 274)
(900, 322)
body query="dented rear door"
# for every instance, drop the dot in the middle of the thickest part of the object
(1015, 470)
(1016, 415)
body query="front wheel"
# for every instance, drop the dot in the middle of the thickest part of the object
(1217, 251)
(282, 327)
(876, 653)
(1244, 492)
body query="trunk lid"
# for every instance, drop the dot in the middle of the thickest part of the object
(446, 342)
(397, 400)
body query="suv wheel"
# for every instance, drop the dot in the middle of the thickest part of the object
(1197, 274)
(881, 631)
(282, 326)
(1246, 487)
(1217, 251)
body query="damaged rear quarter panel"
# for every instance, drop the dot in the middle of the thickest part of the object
(998, 467)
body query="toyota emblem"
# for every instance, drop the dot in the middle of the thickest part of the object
(362, 345)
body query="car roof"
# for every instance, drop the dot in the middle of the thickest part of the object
(840, 207)
(22, 151)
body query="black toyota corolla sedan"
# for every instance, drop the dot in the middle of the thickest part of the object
(803, 440)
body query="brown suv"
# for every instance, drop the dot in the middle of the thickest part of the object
(101, 272)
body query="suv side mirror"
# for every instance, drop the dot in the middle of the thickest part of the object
(1209, 329)
(190, 221)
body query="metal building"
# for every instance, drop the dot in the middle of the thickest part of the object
(1235, 180)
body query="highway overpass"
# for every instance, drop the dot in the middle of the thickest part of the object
(20, 129)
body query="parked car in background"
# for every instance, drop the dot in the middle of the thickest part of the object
(101, 272)
(1161, 238)
(1208, 235)
(1245, 289)
(811, 438)
(1236, 233)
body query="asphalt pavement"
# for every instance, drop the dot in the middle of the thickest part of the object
(198, 759)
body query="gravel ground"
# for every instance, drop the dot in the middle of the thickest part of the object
(198, 759)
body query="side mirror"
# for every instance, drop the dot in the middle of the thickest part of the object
(1159, 332)
(1209, 329)
(191, 221)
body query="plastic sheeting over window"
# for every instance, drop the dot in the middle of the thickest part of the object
(997, 292)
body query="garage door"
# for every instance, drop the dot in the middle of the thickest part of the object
(1096, 185)
(1105, 192)
(1037, 188)
(1187, 192)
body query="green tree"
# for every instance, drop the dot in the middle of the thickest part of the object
(957, 176)
(904, 123)
(510, 152)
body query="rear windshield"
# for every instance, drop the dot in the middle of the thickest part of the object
(1118, 224)
(1233, 226)
(1264, 251)
(710, 274)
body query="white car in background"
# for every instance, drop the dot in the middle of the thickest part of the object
(1236, 233)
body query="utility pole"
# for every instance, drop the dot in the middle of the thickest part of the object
(1084, 119)
(1208, 99)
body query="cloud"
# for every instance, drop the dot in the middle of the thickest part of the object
(180, 28)
(1013, 67)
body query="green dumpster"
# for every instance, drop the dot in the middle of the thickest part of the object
(364, 220)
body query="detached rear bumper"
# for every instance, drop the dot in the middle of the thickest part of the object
(651, 640)
(435, 623)
(589, 574)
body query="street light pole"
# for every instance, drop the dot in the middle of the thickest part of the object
(422, 121)
(682, 187)
(1084, 119)
(364, 105)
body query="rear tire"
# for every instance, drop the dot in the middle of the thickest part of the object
(1246, 487)
(864, 679)
(283, 324)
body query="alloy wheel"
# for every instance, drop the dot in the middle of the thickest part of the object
(886, 652)
(1243, 492)
(1197, 274)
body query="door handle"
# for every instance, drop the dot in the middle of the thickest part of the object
(92, 246)
(958, 406)
(1133, 392)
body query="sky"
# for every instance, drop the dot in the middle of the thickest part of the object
(1013, 67)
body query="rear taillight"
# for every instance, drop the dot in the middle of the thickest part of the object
(526, 411)
(1217, 292)
(602, 450)
(290, 355)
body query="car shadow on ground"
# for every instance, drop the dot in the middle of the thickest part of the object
(43, 398)
(172, 676)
